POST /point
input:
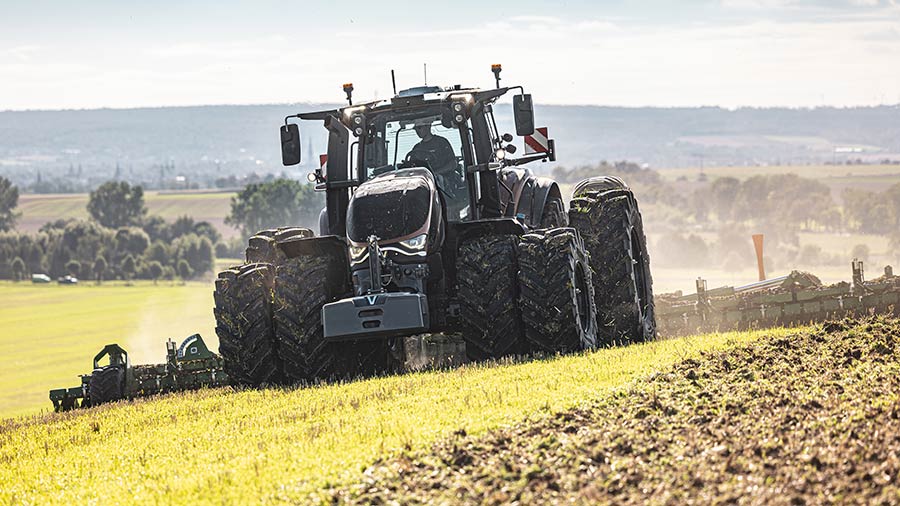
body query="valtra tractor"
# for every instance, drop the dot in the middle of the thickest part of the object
(432, 225)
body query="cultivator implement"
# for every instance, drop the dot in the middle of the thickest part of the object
(799, 298)
(188, 367)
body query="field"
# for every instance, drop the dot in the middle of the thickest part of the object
(283, 445)
(809, 418)
(202, 206)
(837, 177)
(51, 332)
(770, 417)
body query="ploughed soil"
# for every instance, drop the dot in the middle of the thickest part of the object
(813, 418)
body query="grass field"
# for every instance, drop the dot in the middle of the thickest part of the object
(202, 206)
(288, 445)
(51, 332)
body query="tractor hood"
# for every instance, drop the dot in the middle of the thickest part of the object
(396, 206)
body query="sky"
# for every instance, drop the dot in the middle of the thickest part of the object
(727, 53)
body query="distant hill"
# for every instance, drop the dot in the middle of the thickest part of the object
(202, 144)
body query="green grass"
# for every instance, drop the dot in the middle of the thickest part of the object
(212, 207)
(287, 445)
(51, 332)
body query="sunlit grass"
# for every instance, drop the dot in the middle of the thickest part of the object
(50, 333)
(284, 445)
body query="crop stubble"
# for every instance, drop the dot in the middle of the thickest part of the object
(807, 418)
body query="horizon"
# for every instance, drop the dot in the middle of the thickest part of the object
(541, 104)
(700, 53)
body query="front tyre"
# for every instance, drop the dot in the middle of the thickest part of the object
(487, 288)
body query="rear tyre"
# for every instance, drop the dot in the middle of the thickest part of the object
(487, 286)
(244, 324)
(556, 297)
(611, 225)
(106, 385)
(554, 213)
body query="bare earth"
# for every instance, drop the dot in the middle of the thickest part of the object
(809, 419)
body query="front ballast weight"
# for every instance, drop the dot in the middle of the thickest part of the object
(188, 366)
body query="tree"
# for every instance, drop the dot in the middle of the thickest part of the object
(117, 204)
(279, 203)
(155, 227)
(723, 191)
(18, 268)
(128, 267)
(73, 268)
(132, 240)
(160, 252)
(184, 270)
(9, 199)
(892, 195)
(156, 270)
(197, 251)
(99, 268)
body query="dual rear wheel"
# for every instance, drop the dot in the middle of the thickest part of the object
(523, 295)
(562, 289)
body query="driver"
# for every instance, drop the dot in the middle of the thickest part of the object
(433, 149)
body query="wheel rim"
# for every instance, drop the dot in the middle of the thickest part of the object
(582, 298)
(637, 254)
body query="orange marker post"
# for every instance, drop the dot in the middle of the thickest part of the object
(758, 244)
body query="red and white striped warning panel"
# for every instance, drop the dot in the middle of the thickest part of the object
(323, 160)
(538, 142)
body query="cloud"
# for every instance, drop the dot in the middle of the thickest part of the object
(758, 60)
(20, 53)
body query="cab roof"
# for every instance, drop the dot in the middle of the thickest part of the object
(423, 95)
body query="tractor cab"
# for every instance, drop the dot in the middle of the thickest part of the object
(449, 131)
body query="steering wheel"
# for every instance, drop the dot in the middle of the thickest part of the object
(415, 161)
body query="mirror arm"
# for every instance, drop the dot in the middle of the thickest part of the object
(515, 162)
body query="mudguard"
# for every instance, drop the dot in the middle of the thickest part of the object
(459, 232)
(530, 193)
(314, 246)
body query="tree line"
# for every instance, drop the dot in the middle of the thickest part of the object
(695, 225)
(121, 241)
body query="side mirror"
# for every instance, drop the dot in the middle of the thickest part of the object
(523, 111)
(290, 144)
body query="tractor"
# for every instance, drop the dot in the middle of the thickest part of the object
(432, 225)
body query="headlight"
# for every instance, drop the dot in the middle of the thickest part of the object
(417, 243)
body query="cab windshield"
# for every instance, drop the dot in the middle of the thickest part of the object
(418, 139)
